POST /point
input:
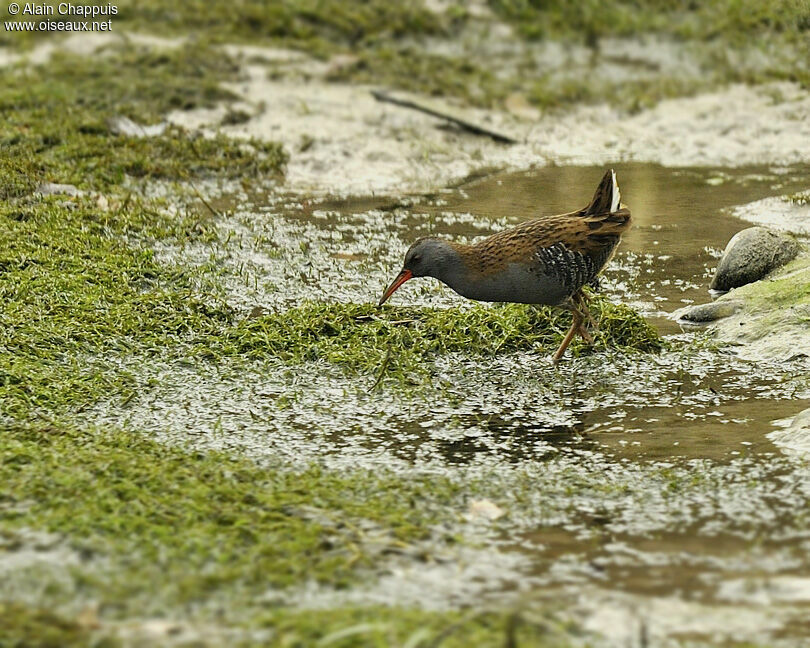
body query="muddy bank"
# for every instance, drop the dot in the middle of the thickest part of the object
(344, 142)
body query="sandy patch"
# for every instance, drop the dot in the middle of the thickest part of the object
(343, 141)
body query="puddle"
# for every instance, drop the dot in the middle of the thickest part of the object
(636, 487)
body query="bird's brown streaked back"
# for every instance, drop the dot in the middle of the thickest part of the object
(589, 230)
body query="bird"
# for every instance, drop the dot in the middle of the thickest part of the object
(546, 260)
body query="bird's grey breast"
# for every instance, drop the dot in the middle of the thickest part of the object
(517, 282)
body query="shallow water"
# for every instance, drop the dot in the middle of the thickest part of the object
(630, 482)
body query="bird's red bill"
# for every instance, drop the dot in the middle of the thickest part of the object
(402, 277)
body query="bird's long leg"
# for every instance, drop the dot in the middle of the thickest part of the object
(576, 327)
(581, 302)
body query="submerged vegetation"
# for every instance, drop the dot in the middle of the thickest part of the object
(22, 625)
(345, 627)
(74, 286)
(161, 529)
(200, 524)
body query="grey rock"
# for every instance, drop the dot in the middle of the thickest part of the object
(750, 255)
(704, 313)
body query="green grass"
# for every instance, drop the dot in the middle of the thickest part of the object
(74, 287)
(730, 19)
(28, 627)
(315, 25)
(181, 525)
(407, 68)
(58, 121)
(633, 96)
(378, 627)
(200, 538)
(722, 35)
(78, 278)
(798, 198)
(386, 40)
(360, 336)
(356, 627)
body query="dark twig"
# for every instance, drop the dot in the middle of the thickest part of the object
(467, 126)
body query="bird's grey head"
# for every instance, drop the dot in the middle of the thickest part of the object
(429, 257)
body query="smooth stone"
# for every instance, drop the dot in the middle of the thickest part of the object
(704, 313)
(750, 255)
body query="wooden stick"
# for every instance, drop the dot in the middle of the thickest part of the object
(465, 125)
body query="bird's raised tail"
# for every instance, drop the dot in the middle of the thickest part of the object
(607, 198)
(606, 217)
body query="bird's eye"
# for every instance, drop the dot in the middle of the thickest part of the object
(416, 258)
